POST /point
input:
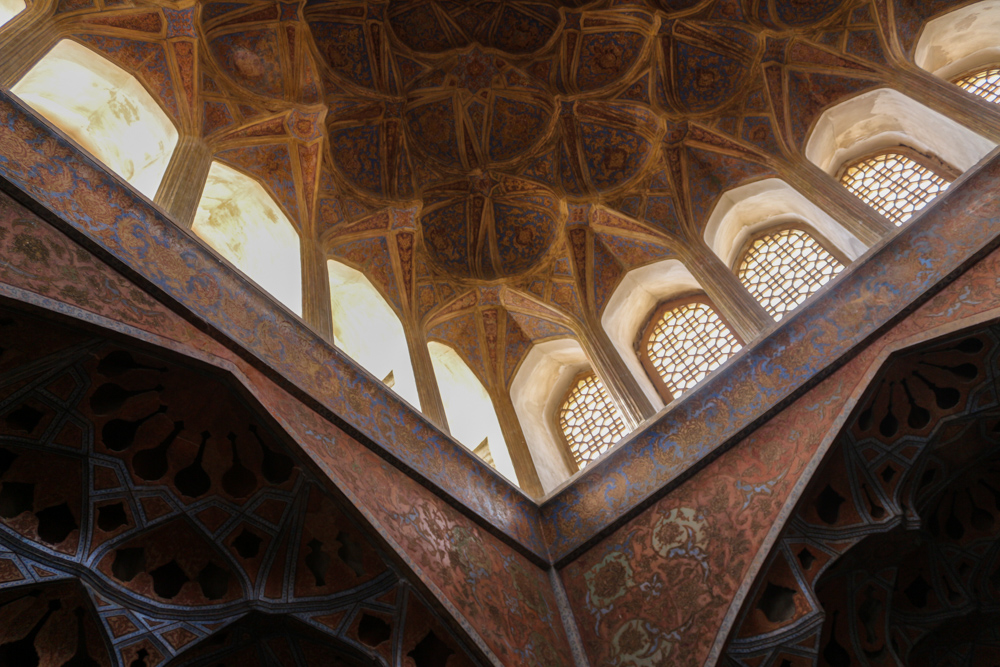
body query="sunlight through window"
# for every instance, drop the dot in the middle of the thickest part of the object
(781, 269)
(687, 341)
(589, 420)
(895, 185)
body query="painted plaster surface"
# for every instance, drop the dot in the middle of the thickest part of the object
(104, 109)
(665, 587)
(501, 599)
(870, 294)
(239, 219)
(65, 181)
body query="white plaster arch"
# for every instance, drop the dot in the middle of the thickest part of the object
(242, 222)
(754, 207)
(961, 40)
(468, 406)
(633, 301)
(537, 392)
(9, 9)
(104, 109)
(367, 329)
(884, 118)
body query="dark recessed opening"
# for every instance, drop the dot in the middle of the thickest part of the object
(25, 419)
(214, 581)
(430, 652)
(15, 498)
(168, 579)
(247, 544)
(372, 630)
(828, 505)
(55, 523)
(111, 517)
(128, 563)
(777, 603)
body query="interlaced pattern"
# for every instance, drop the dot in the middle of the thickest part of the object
(986, 84)
(895, 185)
(781, 269)
(589, 420)
(687, 343)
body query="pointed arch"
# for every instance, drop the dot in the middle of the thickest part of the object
(960, 41)
(746, 211)
(589, 420)
(783, 266)
(684, 341)
(472, 417)
(242, 222)
(367, 329)
(105, 110)
(537, 392)
(630, 307)
(884, 119)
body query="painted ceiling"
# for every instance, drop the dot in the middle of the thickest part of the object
(496, 167)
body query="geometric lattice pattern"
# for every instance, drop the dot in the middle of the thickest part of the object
(589, 420)
(986, 84)
(895, 185)
(687, 343)
(781, 269)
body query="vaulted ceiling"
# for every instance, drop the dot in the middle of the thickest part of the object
(450, 149)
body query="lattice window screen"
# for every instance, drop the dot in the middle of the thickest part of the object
(589, 420)
(687, 343)
(782, 268)
(985, 83)
(895, 185)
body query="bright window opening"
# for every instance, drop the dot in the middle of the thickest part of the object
(241, 221)
(468, 407)
(895, 185)
(367, 329)
(105, 110)
(782, 268)
(9, 9)
(686, 341)
(985, 83)
(589, 420)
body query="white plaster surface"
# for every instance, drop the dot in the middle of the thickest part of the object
(468, 406)
(104, 109)
(631, 305)
(367, 329)
(242, 222)
(9, 9)
(749, 209)
(884, 118)
(537, 391)
(961, 40)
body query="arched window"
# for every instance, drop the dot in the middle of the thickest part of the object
(897, 183)
(369, 331)
(684, 341)
(242, 222)
(472, 418)
(985, 83)
(781, 268)
(590, 422)
(105, 110)
(9, 9)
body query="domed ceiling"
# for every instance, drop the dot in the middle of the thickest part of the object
(495, 167)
